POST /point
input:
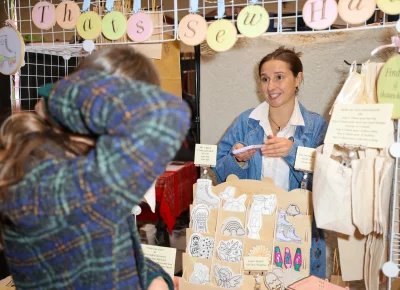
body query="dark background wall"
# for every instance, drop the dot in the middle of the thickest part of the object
(5, 103)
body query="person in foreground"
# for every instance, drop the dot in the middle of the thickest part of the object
(70, 176)
(281, 124)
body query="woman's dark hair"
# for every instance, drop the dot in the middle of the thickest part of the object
(289, 56)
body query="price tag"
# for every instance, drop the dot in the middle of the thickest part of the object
(305, 159)
(205, 155)
(163, 256)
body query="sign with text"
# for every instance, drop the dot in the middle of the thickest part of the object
(389, 85)
(163, 256)
(360, 125)
(205, 155)
(305, 159)
(256, 263)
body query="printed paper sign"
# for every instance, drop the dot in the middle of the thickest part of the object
(256, 263)
(205, 155)
(305, 159)
(163, 256)
(360, 125)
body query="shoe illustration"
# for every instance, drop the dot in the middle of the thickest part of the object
(6, 54)
(204, 194)
(278, 257)
(297, 259)
(292, 235)
(288, 258)
(280, 235)
(282, 218)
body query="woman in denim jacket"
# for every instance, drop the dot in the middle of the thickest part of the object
(282, 124)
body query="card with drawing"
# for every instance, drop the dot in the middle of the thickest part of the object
(232, 203)
(200, 246)
(230, 250)
(200, 216)
(200, 274)
(233, 227)
(224, 277)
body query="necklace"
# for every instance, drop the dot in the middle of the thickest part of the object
(279, 127)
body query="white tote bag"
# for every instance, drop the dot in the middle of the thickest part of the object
(332, 193)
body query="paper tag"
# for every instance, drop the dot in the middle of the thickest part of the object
(163, 256)
(205, 155)
(305, 159)
(360, 125)
(256, 263)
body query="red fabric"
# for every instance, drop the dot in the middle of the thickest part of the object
(174, 194)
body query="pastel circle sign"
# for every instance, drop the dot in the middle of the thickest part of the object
(320, 14)
(389, 85)
(356, 11)
(114, 25)
(253, 21)
(67, 14)
(140, 27)
(43, 15)
(391, 7)
(12, 50)
(192, 29)
(221, 35)
(89, 25)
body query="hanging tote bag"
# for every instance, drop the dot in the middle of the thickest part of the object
(332, 192)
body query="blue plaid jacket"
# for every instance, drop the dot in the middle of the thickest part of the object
(68, 220)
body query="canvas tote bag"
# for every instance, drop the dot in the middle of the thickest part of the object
(332, 192)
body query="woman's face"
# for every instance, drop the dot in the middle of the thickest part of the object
(278, 83)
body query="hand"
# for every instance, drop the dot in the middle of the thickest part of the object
(158, 284)
(276, 147)
(243, 157)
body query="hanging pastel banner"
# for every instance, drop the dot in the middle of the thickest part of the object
(320, 14)
(356, 12)
(389, 85)
(114, 25)
(221, 34)
(89, 25)
(43, 15)
(253, 20)
(139, 26)
(192, 28)
(12, 50)
(67, 14)
(391, 7)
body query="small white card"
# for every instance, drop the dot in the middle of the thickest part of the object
(256, 263)
(305, 159)
(205, 155)
(360, 125)
(163, 256)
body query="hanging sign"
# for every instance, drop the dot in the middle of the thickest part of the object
(320, 14)
(67, 14)
(89, 25)
(43, 15)
(391, 7)
(114, 25)
(356, 11)
(192, 29)
(140, 27)
(389, 85)
(12, 50)
(221, 34)
(253, 21)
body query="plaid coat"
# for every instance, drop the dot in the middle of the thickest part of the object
(67, 224)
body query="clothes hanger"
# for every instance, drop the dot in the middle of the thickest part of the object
(395, 43)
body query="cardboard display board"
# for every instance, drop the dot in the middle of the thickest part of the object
(241, 230)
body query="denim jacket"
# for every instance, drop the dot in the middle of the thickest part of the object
(248, 131)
